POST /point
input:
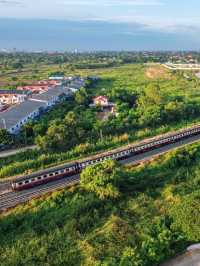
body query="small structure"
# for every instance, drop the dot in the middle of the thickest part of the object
(102, 101)
(57, 77)
(11, 97)
(106, 107)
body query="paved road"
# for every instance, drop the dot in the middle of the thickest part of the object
(7, 153)
(10, 199)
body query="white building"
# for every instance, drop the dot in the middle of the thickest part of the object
(13, 96)
(14, 118)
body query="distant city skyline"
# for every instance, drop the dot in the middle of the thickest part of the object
(100, 24)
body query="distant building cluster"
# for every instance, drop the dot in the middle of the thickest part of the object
(17, 107)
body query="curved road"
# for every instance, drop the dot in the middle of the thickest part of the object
(9, 199)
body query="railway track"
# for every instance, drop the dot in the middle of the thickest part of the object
(10, 198)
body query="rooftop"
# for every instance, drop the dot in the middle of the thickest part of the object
(51, 93)
(13, 115)
(4, 91)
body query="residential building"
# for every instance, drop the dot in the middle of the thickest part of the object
(14, 118)
(13, 96)
(52, 96)
(50, 82)
(100, 101)
(36, 89)
(103, 102)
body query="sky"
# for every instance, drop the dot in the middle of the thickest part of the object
(133, 24)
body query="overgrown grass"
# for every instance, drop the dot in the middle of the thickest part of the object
(140, 228)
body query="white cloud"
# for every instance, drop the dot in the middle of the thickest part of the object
(10, 2)
(112, 3)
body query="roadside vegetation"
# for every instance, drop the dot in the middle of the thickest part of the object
(117, 216)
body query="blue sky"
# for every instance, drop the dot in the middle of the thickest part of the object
(175, 21)
(154, 13)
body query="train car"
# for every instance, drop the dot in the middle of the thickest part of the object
(45, 176)
(55, 173)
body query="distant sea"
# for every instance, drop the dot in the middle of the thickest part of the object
(33, 35)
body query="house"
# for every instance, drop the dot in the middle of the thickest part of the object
(36, 89)
(14, 118)
(13, 96)
(103, 102)
(100, 101)
(50, 83)
(77, 83)
(52, 96)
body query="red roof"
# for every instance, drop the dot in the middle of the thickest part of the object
(101, 98)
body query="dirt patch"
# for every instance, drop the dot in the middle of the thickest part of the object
(157, 72)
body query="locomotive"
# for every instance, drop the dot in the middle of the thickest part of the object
(55, 173)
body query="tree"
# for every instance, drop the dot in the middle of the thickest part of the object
(186, 216)
(81, 96)
(5, 137)
(102, 179)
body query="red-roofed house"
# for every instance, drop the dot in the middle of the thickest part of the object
(101, 101)
(36, 89)
(49, 82)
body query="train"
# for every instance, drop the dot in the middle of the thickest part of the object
(70, 169)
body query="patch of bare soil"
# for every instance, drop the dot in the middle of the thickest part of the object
(157, 72)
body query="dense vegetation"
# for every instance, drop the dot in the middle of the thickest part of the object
(137, 216)
(127, 216)
(149, 100)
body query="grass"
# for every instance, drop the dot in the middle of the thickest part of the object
(73, 227)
